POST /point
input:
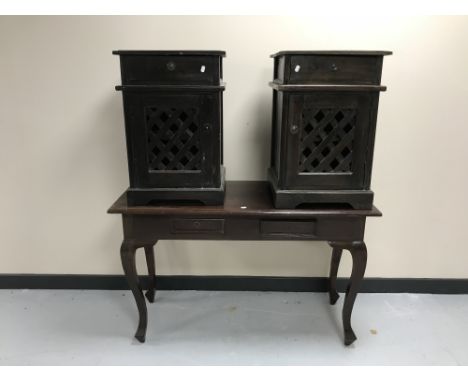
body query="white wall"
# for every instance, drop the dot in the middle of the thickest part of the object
(63, 158)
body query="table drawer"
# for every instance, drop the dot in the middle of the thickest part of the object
(291, 228)
(197, 226)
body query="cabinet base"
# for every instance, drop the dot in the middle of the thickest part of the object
(177, 196)
(290, 199)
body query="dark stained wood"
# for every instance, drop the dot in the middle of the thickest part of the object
(220, 53)
(127, 255)
(334, 265)
(171, 70)
(333, 52)
(171, 88)
(248, 213)
(149, 254)
(325, 87)
(173, 125)
(359, 254)
(284, 198)
(323, 126)
(254, 195)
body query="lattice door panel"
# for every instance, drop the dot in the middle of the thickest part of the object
(326, 143)
(173, 139)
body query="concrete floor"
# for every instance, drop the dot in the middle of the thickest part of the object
(46, 327)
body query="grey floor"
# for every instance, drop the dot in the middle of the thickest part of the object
(46, 327)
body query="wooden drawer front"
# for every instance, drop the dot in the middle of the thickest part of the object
(292, 228)
(335, 70)
(171, 70)
(198, 226)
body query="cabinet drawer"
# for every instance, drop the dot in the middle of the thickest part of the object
(335, 69)
(164, 69)
(292, 228)
(329, 67)
(198, 225)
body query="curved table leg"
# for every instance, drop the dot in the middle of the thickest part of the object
(335, 263)
(149, 253)
(127, 254)
(359, 254)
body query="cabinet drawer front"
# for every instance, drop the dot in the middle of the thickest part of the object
(171, 70)
(335, 70)
(292, 228)
(198, 225)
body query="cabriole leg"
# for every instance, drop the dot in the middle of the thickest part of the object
(127, 254)
(149, 253)
(334, 265)
(359, 254)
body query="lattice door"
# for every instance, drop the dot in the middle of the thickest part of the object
(326, 141)
(173, 137)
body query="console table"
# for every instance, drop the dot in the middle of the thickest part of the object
(247, 214)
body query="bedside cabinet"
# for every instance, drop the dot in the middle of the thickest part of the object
(173, 123)
(323, 127)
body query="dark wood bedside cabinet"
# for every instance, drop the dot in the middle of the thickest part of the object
(247, 214)
(323, 126)
(173, 108)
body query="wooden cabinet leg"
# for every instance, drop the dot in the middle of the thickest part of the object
(359, 254)
(127, 254)
(334, 265)
(149, 253)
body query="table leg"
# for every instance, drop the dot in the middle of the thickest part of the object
(334, 264)
(127, 254)
(149, 253)
(359, 254)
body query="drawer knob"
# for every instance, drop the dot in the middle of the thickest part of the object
(196, 224)
(297, 68)
(170, 66)
(333, 67)
(294, 129)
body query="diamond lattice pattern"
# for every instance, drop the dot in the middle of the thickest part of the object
(327, 140)
(173, 139)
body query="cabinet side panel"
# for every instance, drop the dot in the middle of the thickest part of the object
(374, 106)
(276, 138)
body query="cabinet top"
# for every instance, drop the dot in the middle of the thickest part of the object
(170, 53)
(333, 53)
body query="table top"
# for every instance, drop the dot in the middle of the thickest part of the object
(243, 198)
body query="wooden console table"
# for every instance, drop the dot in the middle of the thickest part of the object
(247, 214)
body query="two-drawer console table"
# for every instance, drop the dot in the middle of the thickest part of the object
(247, 214)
